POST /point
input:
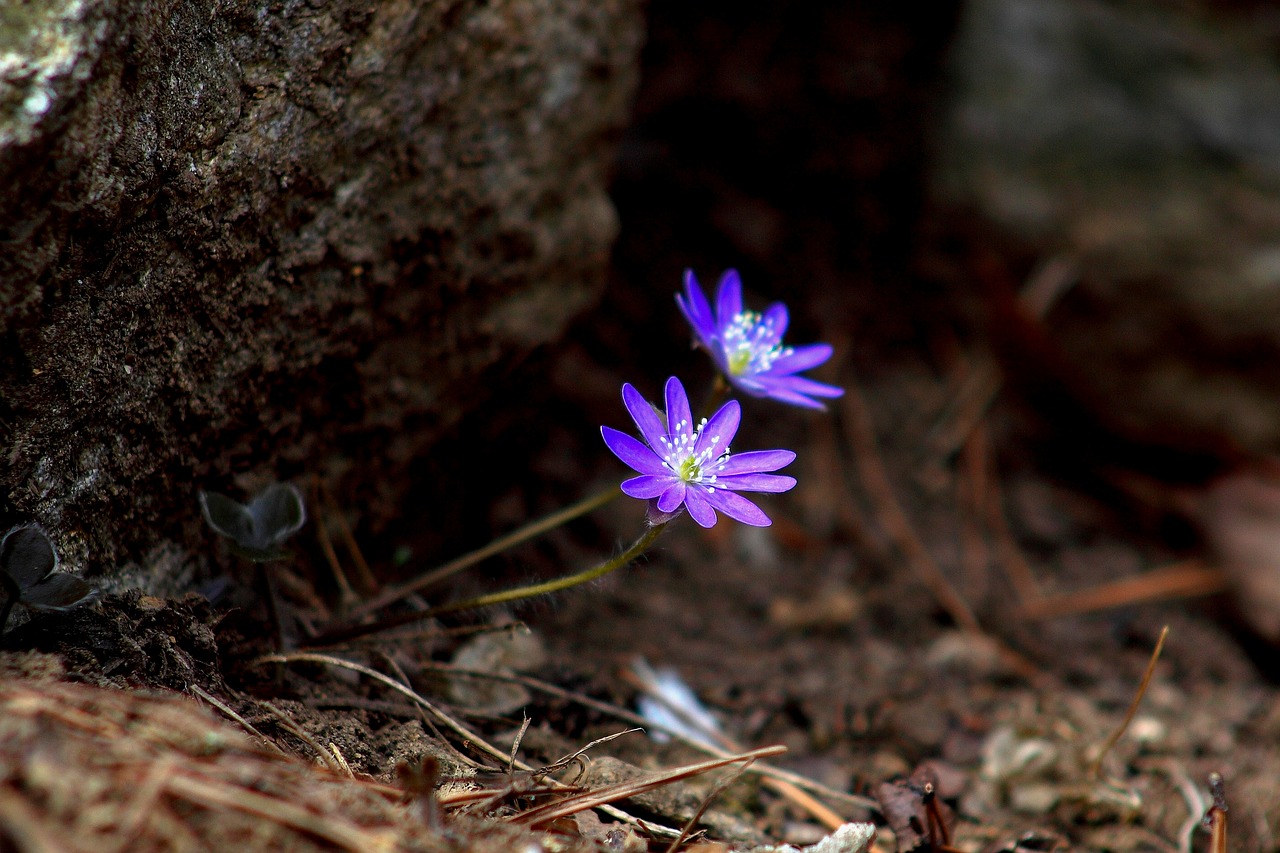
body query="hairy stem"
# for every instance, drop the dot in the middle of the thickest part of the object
(341, 635)
(497, 546)
(547, 587)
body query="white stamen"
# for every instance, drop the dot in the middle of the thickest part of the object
(679, 454)
(752, 344)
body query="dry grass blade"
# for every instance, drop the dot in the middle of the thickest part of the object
(346, 594)
(342, 762)
(368, 583)
(824, 815)
(1096, 770)
(578, 755)
(143, 802)
(892, 518)
(719, 789)
(1188, 579)
(102, 771)
(968, 408)
(344, 834)
(27, 829)
(1013, 561)
(759, 768)
(449, 721)
(623, 790)
(897, 526)
(515, 744)
(468, 735)
(290, 726)
(232, 714)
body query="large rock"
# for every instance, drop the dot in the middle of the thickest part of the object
(282, 237)
(1143, 142)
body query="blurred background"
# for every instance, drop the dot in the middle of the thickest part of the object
(899, 178)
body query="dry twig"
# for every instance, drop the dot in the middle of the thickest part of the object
(893, 520)
(449, 722)
(758, 768)
(1188, 579)
(624, 790)
(1096, 770)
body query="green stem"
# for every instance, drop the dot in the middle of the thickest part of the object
(497, 546)
(547, 587)
(342, 635)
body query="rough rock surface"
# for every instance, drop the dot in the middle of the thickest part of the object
(283, 238)
(1141, 141)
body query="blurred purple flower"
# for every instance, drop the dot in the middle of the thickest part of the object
(747, 346)
(683, 465)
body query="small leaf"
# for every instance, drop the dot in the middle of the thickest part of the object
(61, 591)
(278, 513)
(29, 559)
(256, 530)
(27, 555)
(227, 517)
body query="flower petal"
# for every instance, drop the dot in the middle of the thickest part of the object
(647, 486)
(697, 501)
(755, 461)
(772, 483)
(803, 385)
(779, 392)
(728, 299)
(775, 316)
(673, 497)
(720, 430)
(798, 391)
(650, 424)
(801, 358)
(679, 417)
(736, 507)
(748, 385)
(633, 453)
(697, 310)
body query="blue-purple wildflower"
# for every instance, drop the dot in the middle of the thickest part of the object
(681, 464)
(747, 346)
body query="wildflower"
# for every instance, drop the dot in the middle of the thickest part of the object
(681, 464)
(747, 346)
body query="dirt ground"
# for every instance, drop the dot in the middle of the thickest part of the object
(913, 604)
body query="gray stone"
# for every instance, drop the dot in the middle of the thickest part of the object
(237, 231)
(1142, 141)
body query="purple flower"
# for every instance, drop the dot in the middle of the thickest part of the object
(680, 464)
(747, 346)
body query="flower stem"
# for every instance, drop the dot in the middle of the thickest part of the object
(342, 635)
(535, 528)
(546, 587)
(720, 389)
